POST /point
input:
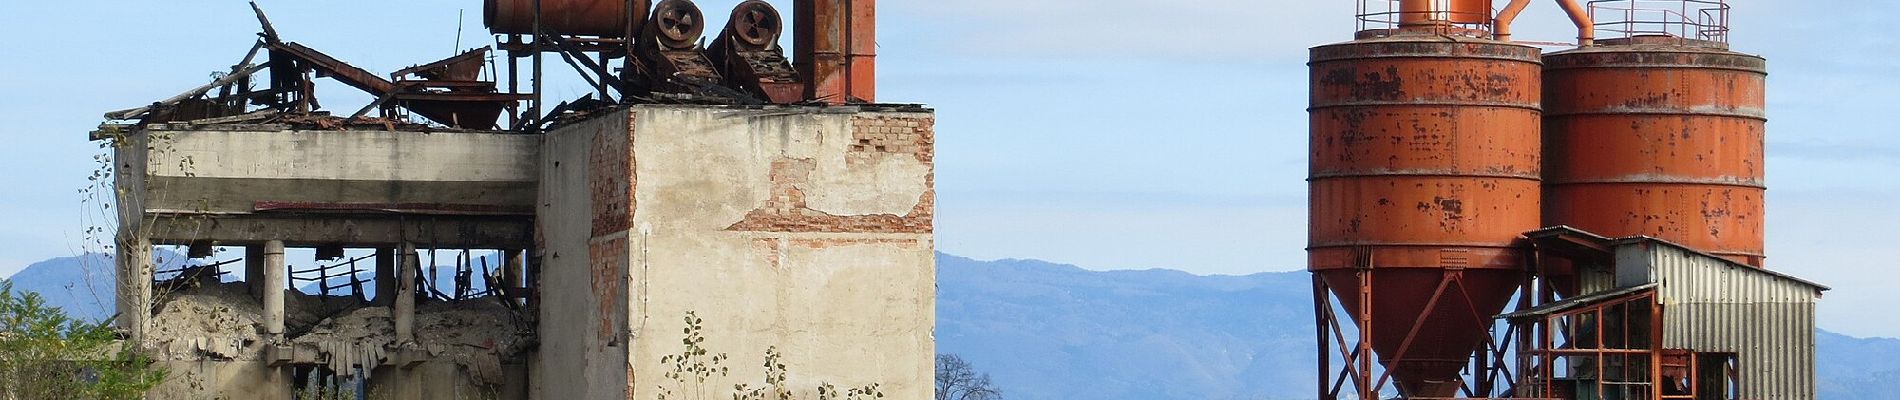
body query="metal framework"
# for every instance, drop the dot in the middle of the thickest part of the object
(1609, 345)
(1490, 372)
(1689, 19)
(1451, 17)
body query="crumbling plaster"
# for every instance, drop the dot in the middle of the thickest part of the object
(837, 272)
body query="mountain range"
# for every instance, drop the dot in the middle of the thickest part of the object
(1052, 331)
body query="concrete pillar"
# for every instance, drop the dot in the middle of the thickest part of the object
(385, 277)
(511, 272)
(134, 299)
(404, 311)
(254, 270)
(276, 278)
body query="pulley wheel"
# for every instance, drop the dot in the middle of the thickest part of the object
(756, 25)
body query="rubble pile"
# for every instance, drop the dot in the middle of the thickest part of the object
(220, 320)
(476, 334)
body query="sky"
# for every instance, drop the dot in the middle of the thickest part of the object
(1111, 134)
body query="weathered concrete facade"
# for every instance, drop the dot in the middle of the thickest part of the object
(806, 230)
(265, 187)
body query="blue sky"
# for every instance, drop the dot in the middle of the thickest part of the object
(1111, 134)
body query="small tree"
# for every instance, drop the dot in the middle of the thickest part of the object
(958, 380)
(45, 354)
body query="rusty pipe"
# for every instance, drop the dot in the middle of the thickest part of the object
(1586, 29)
(1501, 31)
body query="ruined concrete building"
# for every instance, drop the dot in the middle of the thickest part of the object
(721, 192)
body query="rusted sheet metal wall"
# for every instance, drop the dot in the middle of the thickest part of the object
(1658, 140)
(1711, 305)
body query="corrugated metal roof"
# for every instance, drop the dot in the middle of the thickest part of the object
(1575, 302)
(1566, 232)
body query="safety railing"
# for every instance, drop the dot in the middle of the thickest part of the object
(1459, 17)
(1689, 19)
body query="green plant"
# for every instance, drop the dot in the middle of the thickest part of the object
(44, 354)
(695, 365)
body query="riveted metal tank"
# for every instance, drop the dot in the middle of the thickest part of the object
(1424, 173)
(605, 18)
(1661, 137)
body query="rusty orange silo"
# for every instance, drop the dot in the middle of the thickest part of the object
(1658, 136)
(1424, 172)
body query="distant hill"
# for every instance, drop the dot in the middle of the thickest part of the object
(1857, 369)
(1052, 331)
(82, 286)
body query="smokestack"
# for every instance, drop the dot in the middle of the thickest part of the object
(837, 49)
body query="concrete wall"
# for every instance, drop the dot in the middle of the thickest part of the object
(251, 183)
(807, 230)
(229, 170)
(572, 363)
(245, 184)
(222, 380)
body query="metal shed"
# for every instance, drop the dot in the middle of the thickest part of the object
(1647, 318)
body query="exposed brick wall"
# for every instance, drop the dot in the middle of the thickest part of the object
(610, 180)
(787, 211)
(771, 248)
(901, 135)
(610, 177)
(607, 258)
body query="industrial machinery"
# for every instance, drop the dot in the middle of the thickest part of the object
(1430, 179)
(1424, 173)
(633, 51)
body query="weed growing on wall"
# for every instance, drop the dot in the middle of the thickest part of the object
(695, 365)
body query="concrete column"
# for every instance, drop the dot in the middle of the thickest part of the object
(404, 311)
(134, 300)
(511, 272)
(385, 277)
(276, 278)
(254, 270)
